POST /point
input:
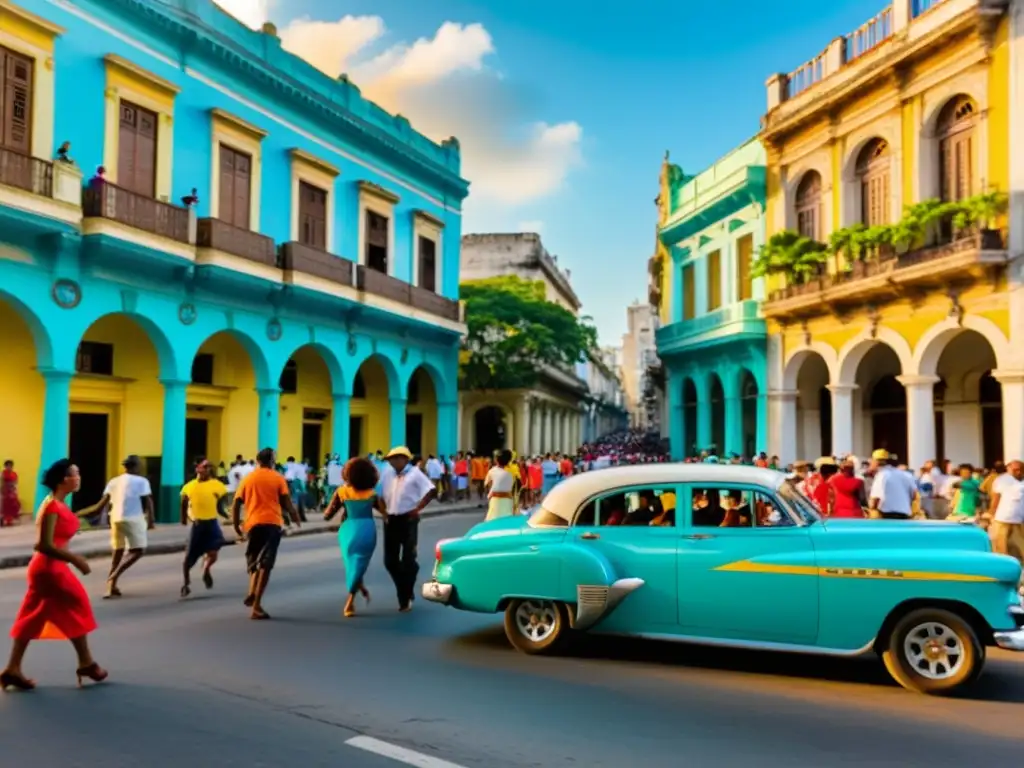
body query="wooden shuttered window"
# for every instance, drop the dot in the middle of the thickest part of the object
(312, 216)
(16, 72)
(956, 126)
(136, 150)
(235, 187)
(377, 241)
(427, 263)
(874, 172)
(808, 205)
(744, 259)
(689, 293)
(714, 280)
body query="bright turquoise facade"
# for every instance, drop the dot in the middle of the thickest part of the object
(713, 343)
(781, 579)
(65, 267)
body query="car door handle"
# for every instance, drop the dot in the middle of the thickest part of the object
(699, 537)
(590, 536)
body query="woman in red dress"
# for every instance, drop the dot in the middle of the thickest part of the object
(10, 505)
(56, 605)
(848, 489)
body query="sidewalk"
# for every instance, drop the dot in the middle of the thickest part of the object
(16, 543)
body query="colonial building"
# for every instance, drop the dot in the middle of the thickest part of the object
(545, 417)
(208, 246)
(912, 340)
(604, 409)
(712, 341)
(638, 346)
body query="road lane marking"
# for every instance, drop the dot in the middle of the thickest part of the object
(401, 754)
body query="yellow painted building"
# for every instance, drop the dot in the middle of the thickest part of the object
(912, 347)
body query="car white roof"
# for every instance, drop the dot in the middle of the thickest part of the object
(566, 497)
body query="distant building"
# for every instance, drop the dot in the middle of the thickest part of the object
(605, 410)
(638, 354)
(545, 417)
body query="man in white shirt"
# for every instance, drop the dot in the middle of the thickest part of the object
(1006, 509)
(893, 490)
(130, 499)
(406, 492)
(435, 471)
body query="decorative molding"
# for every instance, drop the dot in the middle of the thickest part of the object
(375, 190)
(187, 313)
(133, 69)
(46, 27)
(428, 218)
(274, 329)
(67, 294)
(223, 116)
(312, 160)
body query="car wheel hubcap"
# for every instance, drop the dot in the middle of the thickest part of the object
(934, 651)
(536, 620)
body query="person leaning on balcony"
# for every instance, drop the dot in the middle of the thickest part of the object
(1006, 509)
(893, 491)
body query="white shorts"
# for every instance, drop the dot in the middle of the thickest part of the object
(461, 482)
(129, 534)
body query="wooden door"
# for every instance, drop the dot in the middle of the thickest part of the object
(15, 101)
(312, 216)
(235, 187)
(136, 155)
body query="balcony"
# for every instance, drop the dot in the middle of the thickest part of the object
(736, 321)
(387, 287)
(891, 276)
(26, 173)
(304, 259)
(104, 200)
(221, 236)
(903, 31)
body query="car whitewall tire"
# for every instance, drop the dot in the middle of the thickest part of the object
(536, 626)
(932, 650)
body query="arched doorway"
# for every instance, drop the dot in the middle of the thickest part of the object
(116, 405)
(307, 404)
(222, 404)
(716, 396)
(24, 399)
(490, 430)
(421, 414)
(813, 408)
(690, 418)
(884, 404)
(370, 420)
(748, 413)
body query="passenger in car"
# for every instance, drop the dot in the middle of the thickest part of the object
(737, 513)
(707, 509)
(647, 512)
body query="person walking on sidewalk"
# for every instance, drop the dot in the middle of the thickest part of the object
(130, 499)
(406, 491)
(56, 605)
(264, 494)
(204, 500)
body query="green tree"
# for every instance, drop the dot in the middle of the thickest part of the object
(513, 330)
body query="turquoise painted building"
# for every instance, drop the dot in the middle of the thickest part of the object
(209, 246)
(712, 338)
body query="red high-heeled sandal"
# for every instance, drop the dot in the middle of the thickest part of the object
(93, 672)
(18, 682)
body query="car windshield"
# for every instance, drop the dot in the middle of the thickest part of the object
(799, 504)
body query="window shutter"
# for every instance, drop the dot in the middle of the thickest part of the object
(226, 195)
(16, 112)
(312, 216)
(126, 147)
(145, 157)
(242, 190)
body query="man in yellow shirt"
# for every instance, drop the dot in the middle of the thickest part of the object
(203, 500)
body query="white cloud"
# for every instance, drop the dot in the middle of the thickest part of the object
(445, 87)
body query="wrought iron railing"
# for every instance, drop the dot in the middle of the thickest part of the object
(102, 199)
(221, 236)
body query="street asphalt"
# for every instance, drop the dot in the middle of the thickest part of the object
(196, 683)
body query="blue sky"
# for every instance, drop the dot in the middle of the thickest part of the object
(566, 107)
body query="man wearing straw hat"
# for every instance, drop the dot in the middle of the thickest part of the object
(406, 491)
(893, 492)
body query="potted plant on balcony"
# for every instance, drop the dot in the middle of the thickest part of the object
(914, 228)
(979, 213)
(847, 246)
(790, 253)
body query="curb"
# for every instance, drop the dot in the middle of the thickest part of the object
(170, 547)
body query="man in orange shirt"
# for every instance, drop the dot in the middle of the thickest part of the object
(478, 468)
(264, 493)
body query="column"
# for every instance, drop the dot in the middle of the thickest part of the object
(1013, 413)
(733, 415)
(676, 298)
(704, 419)
(172, 460)
(522, 443)
(270, 412)
(782, 425)
(920, 418)
(56, 422)
(397, 421)
(537, 415)
(547, 432)
(762, 423)
(562, 431)
(447, 427)
(842, 418)
(676, 427)
(341, 415)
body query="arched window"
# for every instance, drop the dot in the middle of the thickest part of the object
(955, 132)
(873, 167)
(808, 205)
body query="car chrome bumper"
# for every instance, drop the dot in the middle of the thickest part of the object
(1012, 640)
(436, 592)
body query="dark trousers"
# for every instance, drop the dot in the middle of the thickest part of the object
(401, 535)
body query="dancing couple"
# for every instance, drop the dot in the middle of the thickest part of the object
(404, 493)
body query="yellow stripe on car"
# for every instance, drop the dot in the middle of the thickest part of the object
(748, 566)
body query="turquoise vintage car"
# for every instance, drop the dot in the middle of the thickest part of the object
(734, 556)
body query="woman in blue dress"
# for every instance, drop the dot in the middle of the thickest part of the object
(357, 535)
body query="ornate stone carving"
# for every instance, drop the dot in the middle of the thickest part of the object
(67, 294)
(274, 329)
(187, 313)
